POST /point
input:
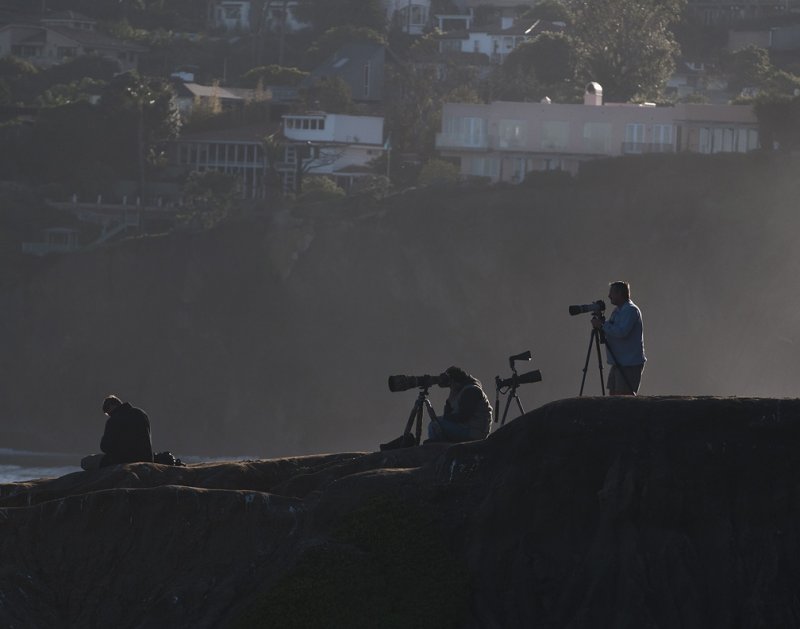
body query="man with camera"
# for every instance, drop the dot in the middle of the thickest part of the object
(624, 341)
(467, 411)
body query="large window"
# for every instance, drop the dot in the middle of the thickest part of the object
(597, 137)
(662, 137)
(418, 15)
(485, 167)
(727, 140)
(467, 131)
(555, 135)
(634, 137)
(512, 133)
(519, 168)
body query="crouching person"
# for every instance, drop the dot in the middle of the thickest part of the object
(126, 438)
(467, 412)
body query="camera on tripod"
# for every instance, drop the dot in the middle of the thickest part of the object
(509, 385)
(596, 308)
(404, 383)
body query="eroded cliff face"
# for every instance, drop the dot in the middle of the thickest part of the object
(275, 336)
(649, 512)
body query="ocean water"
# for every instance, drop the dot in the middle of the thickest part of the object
(23, 465)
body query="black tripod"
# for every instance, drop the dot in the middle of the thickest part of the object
(512, 384)
(596, 338)
(512, 395)
(416, 415)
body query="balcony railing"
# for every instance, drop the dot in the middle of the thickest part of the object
(636, 148)
(462, 141)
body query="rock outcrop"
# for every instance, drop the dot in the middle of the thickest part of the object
(592, 512)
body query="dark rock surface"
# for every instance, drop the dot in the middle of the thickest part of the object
(648, 512)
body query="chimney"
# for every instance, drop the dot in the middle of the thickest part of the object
(593, 96)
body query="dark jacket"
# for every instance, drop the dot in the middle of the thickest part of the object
(127, 436)
(469, 405)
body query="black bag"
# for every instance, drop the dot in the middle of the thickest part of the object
(167, 458)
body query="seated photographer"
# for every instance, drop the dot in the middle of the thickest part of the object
(126, 438)
(467, 412)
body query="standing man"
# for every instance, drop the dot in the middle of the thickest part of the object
(624, 341)
(126, 438)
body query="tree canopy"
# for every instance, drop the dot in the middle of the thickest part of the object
(546, 66)
(626, 45)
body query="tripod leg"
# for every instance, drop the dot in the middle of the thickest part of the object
(411, 418)
(519, 404)
(418, 434)
(599, 359)
(432, 414)
(505, 411)
(586, 362)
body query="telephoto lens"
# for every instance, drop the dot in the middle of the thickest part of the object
(595, 307)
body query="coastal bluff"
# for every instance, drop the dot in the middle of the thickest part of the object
(586, 512)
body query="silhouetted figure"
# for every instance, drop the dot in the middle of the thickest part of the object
(126, 438)
(467, 411)
(625, 340)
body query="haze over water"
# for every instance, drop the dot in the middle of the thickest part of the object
(276, 337)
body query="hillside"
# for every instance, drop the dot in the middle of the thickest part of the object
(586, 513)
(275, 336)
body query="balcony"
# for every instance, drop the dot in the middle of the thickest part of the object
(476, 141)
(638, 148)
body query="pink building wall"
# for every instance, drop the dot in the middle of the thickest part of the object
(506, 140)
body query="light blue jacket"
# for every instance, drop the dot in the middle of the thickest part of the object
(624, 336)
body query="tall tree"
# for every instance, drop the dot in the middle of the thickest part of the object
(627, 45)
(546, 66)
(413, 114)
(140, 110)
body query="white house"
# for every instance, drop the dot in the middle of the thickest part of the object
(239, 15)
(412, 16)
(506, 140)
(495, 42)
(335, 145)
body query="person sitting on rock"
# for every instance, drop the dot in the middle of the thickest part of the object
(126, 438)
(467, 411)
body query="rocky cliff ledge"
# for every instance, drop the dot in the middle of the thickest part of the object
(593, 512)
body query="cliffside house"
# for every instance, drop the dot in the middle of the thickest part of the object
(411, 16)
(315, 143)
(506, 140)
(496, 41)
(191, 95)
(776, 35)
(240, 15)
(334, 145)
(238, 151)
(730, 11)
(62, 36)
